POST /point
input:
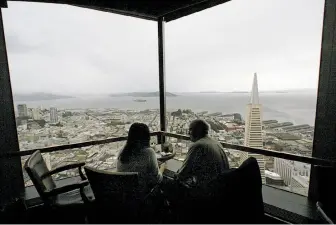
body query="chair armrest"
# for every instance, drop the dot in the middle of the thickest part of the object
(85, 198)
(67, 188)
(322, 213)
(63, 168)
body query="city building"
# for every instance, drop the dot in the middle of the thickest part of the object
(267, 122)
(278, 125)
(22, 110)
(53, 115)
(228, 117)
(300, 184)
(284, 168)
(36, 113)
(294, 174)
(253, 128)
(20, 204)
(273, 178)
(30, 112)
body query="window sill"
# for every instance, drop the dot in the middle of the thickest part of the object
(288, 206)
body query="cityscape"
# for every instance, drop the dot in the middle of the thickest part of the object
(40, 127)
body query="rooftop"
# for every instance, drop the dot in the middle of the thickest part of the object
(272, 175)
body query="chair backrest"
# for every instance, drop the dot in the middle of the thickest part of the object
(243, 188)
(235, 196)
(108, 185)
(115, 192)
(36, 167)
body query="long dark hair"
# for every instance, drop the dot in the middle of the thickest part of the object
(138, 138)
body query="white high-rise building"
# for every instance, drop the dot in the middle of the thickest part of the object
(36, 113)
(287, 169)
(253, 128)
(295, 174)
(53, 115)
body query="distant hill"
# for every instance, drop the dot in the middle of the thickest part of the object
(142, 94)
(210, 92)
(239, 92)
(38, 96)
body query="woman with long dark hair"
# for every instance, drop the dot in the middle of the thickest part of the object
(137, 156)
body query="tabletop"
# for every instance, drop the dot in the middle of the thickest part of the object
(162, 156)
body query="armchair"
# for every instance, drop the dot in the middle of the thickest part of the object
(118, 192)
(51, 194)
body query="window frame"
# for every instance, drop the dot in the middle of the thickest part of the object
(325, 120)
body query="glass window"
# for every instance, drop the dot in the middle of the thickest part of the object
(252, 77)
(80, 75)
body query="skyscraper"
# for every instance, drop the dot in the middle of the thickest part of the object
(36, 114)
(30, 112)
(22, 110)
(253, 128)
(53, 115)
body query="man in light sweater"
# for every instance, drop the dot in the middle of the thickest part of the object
(205, 159)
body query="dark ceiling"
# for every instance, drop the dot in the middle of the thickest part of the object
(145, 9)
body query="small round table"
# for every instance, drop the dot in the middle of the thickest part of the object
(163, 157)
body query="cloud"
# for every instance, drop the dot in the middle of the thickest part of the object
(17, 46)
(66, 49)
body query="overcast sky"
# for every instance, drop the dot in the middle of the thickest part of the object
(65, 49)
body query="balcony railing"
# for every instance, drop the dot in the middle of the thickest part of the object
(72, 146)
(160, 135)
(283, 155)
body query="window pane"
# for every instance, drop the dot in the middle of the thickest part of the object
(252, 77)
(86, 75)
